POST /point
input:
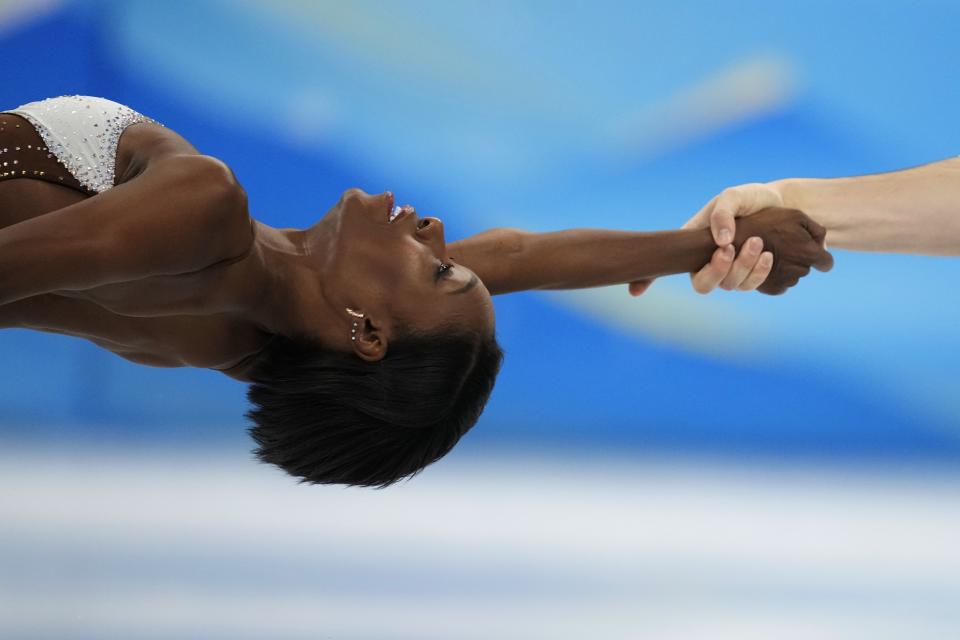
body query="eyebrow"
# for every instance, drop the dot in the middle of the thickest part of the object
(470, 285)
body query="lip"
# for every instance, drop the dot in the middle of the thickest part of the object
(389, 198)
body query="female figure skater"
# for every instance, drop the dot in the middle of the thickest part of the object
(369, 341)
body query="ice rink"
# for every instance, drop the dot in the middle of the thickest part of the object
(140, 544)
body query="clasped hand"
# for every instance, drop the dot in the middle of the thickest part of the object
(794, 239)
(769, 250)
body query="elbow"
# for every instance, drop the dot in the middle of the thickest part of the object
(227, 201)
(222, 183)
(232, 200)
(503, 259)
(513, 240)
(207, 179)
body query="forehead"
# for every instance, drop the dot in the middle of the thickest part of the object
(472, 310)
(476, 307)
(489, 314)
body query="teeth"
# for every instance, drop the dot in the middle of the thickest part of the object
(398, 210)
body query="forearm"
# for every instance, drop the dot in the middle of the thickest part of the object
(511, 260)
(911, 211)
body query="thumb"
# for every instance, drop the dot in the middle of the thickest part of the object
(722, 223)
(743, 200)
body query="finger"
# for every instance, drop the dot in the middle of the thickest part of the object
(639, 287)
(759, 273)
(705, 280)
(824, 261)
(773, 290)
(817, 231)
(792, 274)
(744, 264)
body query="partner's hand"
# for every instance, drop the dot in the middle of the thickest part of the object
(752, 266)
(795, 240)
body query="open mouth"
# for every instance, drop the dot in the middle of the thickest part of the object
(398, 212)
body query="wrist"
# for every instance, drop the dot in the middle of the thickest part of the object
(789, 190)
(692, 250)
(819, 198)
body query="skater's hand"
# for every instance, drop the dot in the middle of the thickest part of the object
(752, 266)
(795, 241)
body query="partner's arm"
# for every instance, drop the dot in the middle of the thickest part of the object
(911, 211)
(509, 260)
(180, 215)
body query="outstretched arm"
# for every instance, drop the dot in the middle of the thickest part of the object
(509, 260)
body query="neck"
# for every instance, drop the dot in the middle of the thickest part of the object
(284, 283)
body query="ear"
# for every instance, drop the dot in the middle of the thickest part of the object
(371, 342)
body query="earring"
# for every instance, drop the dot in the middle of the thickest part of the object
(355, 314)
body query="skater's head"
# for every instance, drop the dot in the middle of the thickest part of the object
(385, 352)
(359, 278)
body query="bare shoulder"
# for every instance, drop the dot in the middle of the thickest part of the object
(147, 144)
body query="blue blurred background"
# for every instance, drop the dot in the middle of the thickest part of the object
(826, 422)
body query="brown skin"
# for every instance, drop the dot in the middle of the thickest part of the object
(797, 242)
(394, 273)
(168, 268)
(158, 320)
(512, 260)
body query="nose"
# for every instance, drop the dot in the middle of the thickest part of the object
(430, 225)
(430, 230)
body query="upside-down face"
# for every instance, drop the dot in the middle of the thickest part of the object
(393, 265)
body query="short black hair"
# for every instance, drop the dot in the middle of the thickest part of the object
(330, 417)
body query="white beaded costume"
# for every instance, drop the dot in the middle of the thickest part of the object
(80, 131)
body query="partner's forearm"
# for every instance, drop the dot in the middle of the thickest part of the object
(509, 260)
(911, 211)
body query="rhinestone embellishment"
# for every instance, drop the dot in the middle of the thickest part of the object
(82, 132)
